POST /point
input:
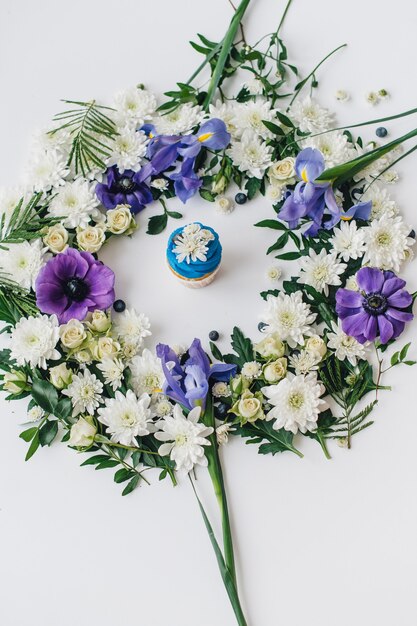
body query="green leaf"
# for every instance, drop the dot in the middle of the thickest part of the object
(175, 215)
(277, 130)
(28, 435)
(94, 460)
(45, 395)
(395, 358)
(215, 351)
(207, 195)
(289, 256)
(63, 409)
(404, 351)
(252, 186)
(157, 224)
(274, 224)
(279, 244)
(242, 346)
(131, 485)
(284, 120)
(122, 475)
(107, 464)
(32, 448)
(48, 432)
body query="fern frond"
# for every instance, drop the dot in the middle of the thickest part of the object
(25, 223)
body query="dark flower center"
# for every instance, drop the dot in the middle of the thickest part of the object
(375, 303)
(76, 289)
(126, 184)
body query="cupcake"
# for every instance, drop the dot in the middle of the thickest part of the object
(194, 253)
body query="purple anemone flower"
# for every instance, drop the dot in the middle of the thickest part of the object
(377, 309)
(127, 188)
(72, 284)
(316, 201)
(188, 384)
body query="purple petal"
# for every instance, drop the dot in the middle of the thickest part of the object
(386, 329)
(370, 279)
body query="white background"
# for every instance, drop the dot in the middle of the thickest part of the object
(320, 543)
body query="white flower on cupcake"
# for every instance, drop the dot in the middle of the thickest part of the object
(190, 247)
(344, 346)
(348, 241)
(132, 326)
(126, 417)
(85, 392)
(251, 154)
(387, 243)
(289, 317)
(321, 270)
(22, 262)
(33, 341)
(184, 438)
(296, 403)
(75, 204)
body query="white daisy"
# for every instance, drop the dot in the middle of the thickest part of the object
(382, 203)
(128, 148)
(251, 370)
(251, 115)
(112, 370)
(296, 403)
(147, 374)
(181, 120)
(321, 270)
(35, 414)
(190, 248)
(132, 326)
(184, 438)
(344, 346)
(33, 341)
(85, 392)
(75, 204)
(289, 317)
(134, 106)
(348, 240)
(47, 170)
(251, 154)
(226, 111)
(23, 261)
(334, 147)
(305, 362)
(387, 243)
(221, 390)
(126, 417)
(309, 116)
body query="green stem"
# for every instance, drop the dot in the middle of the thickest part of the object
(224, 51)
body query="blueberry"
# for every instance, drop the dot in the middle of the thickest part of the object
(119, 306)
(221, 410)
(241, 198)
(213, 335)
(261, 326)
(381, 131)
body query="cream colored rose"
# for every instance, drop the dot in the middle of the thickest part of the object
(275, 192)
(99, 322)
(83, 432)
(316, 345)
(72, 334)
(276, 370)
(83, 356)
(282, 170)
(60, 376)
(105, 348)
(249, 407)
(56, 238)
(91, 238)
(120, 220)
(271, 346)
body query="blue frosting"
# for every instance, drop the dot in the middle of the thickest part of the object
(195, 269)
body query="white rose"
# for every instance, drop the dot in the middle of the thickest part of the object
(120, 220)
(316, 345)
(282, 170)
(56, 239)
(271, 346)
(249, 407)
(275, 193)
(60, 376)
(83, 356)
(91, 238)
(72, 334)
(15, 382)
(275, 371)
(105, 348)
(99, 322)
(82, 432)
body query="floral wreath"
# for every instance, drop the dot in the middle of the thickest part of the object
(324, 334)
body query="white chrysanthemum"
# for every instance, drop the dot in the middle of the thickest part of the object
(372, 97)
(224, 205)
(147, 374)
(310, 116)
(304, 362)
(222, 433)
(162, 407)
(348, 241)
(251, 115)
(341, 95)
(126, 417)
(321, 270)
(254, 86)
(374, 169)
(181, 120)
(334, 147)
(35, 414)
(275, 192)
(221, 390)
(352, 283)
(85, 392)
(251, 154)
(75, 204)
(134, 106)
(387, 243)
(344, 346)
(112, 370)
(190, 248)
(128, 148)
(47, 170)
(251, 370)
(184, 438)
(132, 326)
(45, 140)
(9, 199)
(33, 341)
(390, 177)
(289, 317)
(382, 203)
(23, 261)
(226, 111)
(296, 403)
